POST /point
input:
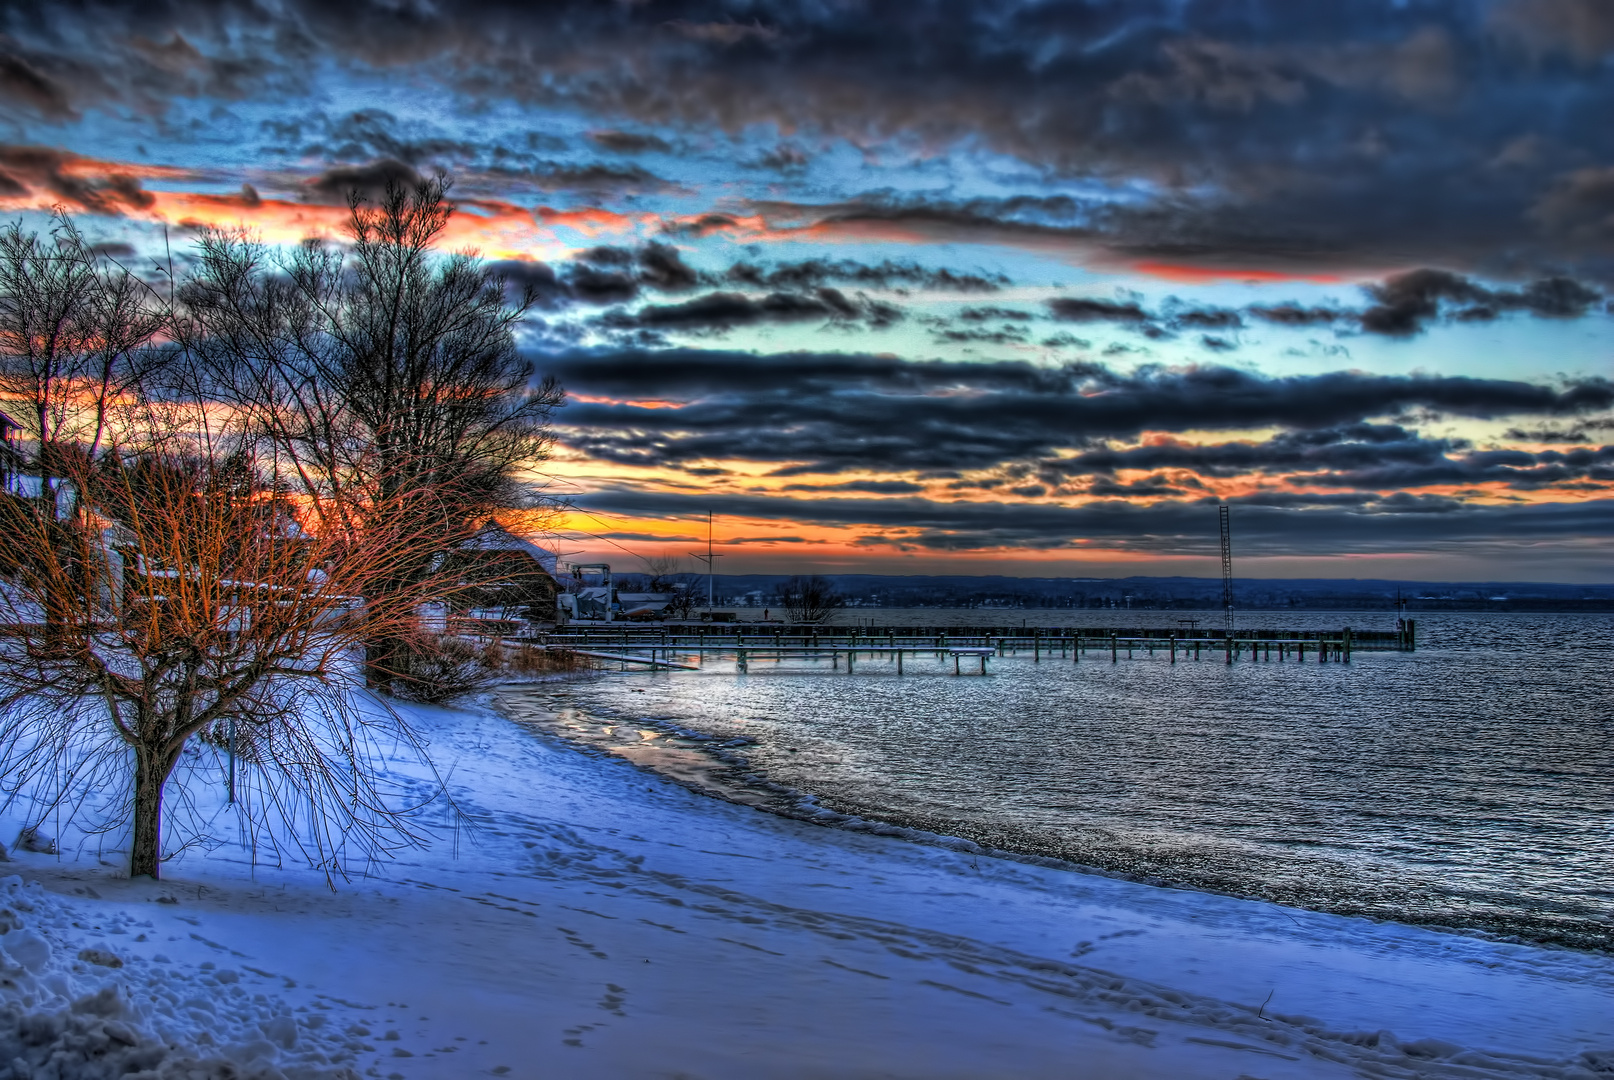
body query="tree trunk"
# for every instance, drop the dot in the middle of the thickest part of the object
(386, 659)
(387, 651)
(376, 676)
(145, 852)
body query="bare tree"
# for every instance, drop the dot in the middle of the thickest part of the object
(810, 599)
(195, 603)
(388, 377)
(666, 575)
(76, 332)
(204, 590)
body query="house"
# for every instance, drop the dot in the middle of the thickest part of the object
(588, 594)
(509, 583)
(13, 463)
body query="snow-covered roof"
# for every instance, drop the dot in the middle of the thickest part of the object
(495, 537)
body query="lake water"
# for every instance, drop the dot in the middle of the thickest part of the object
(1468, 785)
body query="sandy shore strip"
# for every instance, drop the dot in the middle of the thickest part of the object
(599, 921)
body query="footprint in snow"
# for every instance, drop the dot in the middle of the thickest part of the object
(615, 997)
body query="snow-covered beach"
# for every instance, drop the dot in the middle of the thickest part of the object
(598, 920)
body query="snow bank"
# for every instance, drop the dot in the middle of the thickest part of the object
(587, 919)
(76, 1006)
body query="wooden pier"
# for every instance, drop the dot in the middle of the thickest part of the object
(662, 645)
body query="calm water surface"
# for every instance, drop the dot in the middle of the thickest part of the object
(1469, 784)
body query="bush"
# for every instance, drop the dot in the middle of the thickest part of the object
(530, 661)
(442, 668)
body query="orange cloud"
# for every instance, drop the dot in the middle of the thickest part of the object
(591, 221)
(38, 178)
(276, 220)
(1187, 274)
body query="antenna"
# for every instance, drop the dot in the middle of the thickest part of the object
(709, 556)
(1227, 576)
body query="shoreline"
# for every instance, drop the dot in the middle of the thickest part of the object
(599, 920)
(710, 765)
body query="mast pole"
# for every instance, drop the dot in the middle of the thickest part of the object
(1227, 573)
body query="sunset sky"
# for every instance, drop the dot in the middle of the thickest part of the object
(949, 286)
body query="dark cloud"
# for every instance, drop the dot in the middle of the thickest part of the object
(1296, 315)
(600, 275)
(1401, 305)
(1406, 303)
(367, 135)
(534, 278)
(24, 84)
(1516, 469)
(607, 255)
(826, 412)
(726, 310)
(1546, 433)
(592, 285)
(871, 487)
(1086, 309)
(1007, 335)
(662, 266)
(58, 60)
(1257, 135)
(786, 157)
(369, 180)
(1583, 29)
(596, 177)
(629, 142)
(76, 182)
(1579, 210)
(1207, 318)
(704, 225)
(1154, 487)
(368, 140)
(984, 314)
(1347, 447)
(1551, 298)
(115, 249)
(1276, 523)
(723, 310)
(1049, 221)
(889, 274)
(1378, 457)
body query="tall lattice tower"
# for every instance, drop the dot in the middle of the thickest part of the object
(1227, 573)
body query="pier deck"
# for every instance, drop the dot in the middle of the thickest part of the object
(657, 644)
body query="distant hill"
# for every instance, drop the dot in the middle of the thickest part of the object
(1168, 593)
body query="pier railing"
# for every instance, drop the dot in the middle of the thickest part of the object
(658, 645)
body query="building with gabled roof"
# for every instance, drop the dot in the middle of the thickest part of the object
(510, 579)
